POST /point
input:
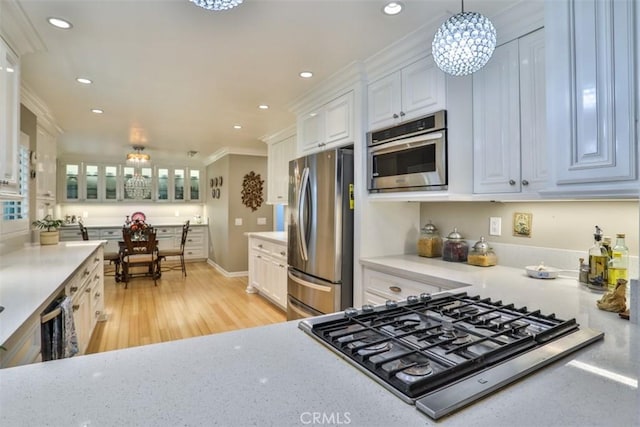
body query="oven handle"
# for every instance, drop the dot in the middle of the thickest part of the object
(415, 142)
(302, 195)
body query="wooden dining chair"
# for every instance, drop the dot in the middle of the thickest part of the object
(112, 257)
(140, 253)
(179, 252)
(83, 231)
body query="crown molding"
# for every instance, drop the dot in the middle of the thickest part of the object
(225, 151)
(38, 107)
(280, 135)
(17, 29)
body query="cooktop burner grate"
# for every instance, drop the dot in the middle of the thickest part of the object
(428, 342)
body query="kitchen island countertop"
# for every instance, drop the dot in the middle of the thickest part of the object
(272, 236)
(278, 376)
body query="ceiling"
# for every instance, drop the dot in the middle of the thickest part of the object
(175, 78)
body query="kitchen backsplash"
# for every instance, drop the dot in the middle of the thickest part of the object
(560, 232)
(115, 214)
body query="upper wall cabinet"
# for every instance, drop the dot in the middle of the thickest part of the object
(509, 126)
(45, 166)
(591, 94)
(281, 150)
(178, 184)
(327, 126)
(413, 91)
(9, 121)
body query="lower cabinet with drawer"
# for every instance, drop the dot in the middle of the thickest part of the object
(380, 287)
(268, 270)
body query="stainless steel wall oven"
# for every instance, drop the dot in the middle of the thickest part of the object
(409, 157)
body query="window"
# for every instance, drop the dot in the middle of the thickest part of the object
(16, 210)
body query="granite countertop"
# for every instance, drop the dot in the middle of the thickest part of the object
(278, 376)
(30, 277)
(272, 236)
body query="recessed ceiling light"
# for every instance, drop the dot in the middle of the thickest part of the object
(10, 70)
(392, 8)
(263, 106)
(60, 23)
(84, 80)
(237, 127)
(306, 74)
(97, 111)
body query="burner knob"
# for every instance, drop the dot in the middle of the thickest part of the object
(367, 308)
(412, 299)
(391, 304)
(350, 312)
(425, 297)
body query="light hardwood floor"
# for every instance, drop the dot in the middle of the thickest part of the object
(205, 302)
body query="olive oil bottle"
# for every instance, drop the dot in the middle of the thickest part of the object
(598, 262)
(619, 263)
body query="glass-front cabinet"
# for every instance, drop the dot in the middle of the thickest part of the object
(95, 182)
(175, 184)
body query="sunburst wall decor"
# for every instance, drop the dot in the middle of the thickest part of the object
(252, 190)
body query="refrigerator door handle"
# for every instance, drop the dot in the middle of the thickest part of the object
(314, 286)
(302, 227)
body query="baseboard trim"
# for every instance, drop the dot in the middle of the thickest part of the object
(225, 272)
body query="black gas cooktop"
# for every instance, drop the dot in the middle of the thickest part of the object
(419, 347)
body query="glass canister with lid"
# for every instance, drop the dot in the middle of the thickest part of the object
(430, 242)
(455, 248)
(482, 255)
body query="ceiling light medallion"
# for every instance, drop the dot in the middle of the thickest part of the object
(138, 159)
(464, 43)
(217, 4)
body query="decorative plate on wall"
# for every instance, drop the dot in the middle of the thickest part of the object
(138, 216)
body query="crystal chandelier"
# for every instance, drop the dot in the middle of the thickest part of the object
(464, 43)
(217, 4)
(138, 187)
(138, 158)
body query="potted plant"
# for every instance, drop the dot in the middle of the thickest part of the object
(49, 226)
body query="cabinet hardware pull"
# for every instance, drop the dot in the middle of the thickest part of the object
(280, 265)
(396, 289)
(88, 290)
(525, 182)
(258, 256)
(76, 307)
(402, 114)
(86, 272)
(73, 288)
(97, 295)
(96, 259)
(97, 313)
(395, 116)
(512, 182)
(260, 246)
(283, 253)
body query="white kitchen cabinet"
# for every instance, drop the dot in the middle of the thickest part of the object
(592, 91)
(268, 270)
(23, 347)
(281, 150)
(328, 126)
(509, 125)
(45, 166)
(413, 91)
(380, 287)
(177, 184)
(9, 121)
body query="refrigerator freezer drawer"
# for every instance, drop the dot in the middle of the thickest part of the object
(321, 296)
(296, 310)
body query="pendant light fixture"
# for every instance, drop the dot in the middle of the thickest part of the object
(138, 158)
(217, 4)
(464, 43)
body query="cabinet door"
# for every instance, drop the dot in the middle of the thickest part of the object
(162, 184)
(591, 93)
(533, 123)
(71, 180)
(261, 273)
(280, 153)
(384, 100)
(311, 130)
(339, 120)
(195, 182)
(82, 319)
(423, 89)
(9, 120)
(109, 185)
(91, 183)
(45, 165)
(496, 123)
(178, 184)
(278, 282)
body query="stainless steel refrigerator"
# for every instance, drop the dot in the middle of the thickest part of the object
(320, 216)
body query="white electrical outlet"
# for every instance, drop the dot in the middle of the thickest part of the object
(262, 221)
(495, 226)
(238, 221)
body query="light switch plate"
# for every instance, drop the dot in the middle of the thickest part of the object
(262, 221)
(495, 226)
(238, 221)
